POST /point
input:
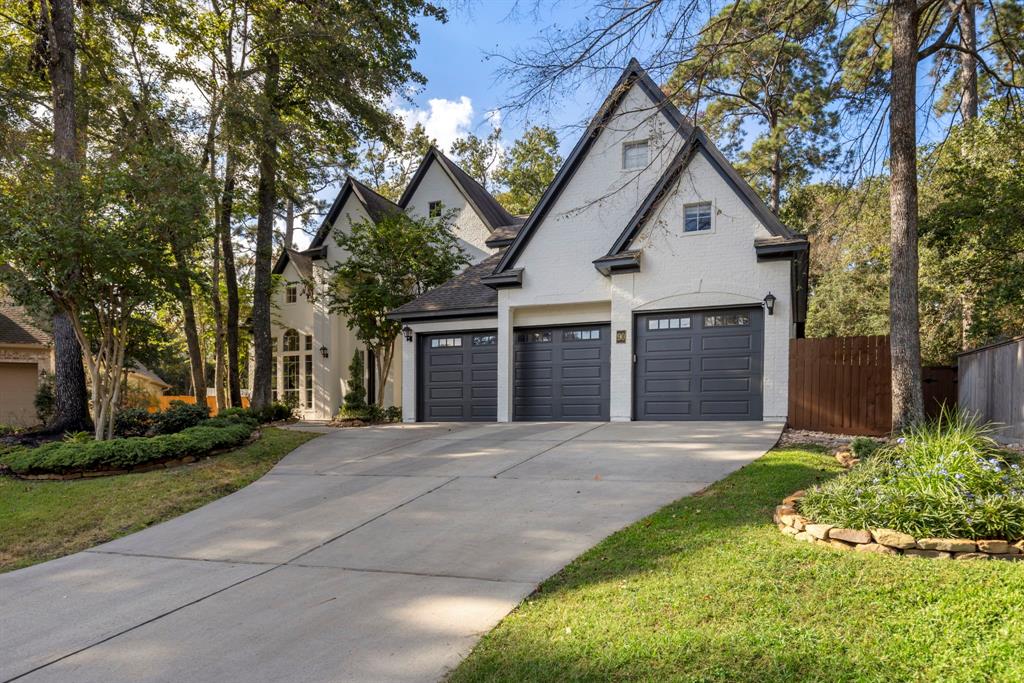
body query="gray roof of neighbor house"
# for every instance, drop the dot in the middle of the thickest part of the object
(376, 206)
(463, 295)
(487, 207)
(17, 327)
(503, 235)
(140, 369)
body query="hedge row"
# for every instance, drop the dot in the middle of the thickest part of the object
(63, 457)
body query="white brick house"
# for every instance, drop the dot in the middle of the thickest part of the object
(650, 283)
(312, 346)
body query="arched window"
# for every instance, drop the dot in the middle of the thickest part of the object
(290, 341)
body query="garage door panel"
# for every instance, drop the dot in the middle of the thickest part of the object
(567, 376)
(670, 345)
(459, 380)
(710, 369)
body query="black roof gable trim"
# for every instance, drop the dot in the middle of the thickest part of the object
(374, 203)
(635, 74)
(486, 206)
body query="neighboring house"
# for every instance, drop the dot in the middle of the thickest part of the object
(25, 353)
(649, 283)
(144, 385)
(312, 346)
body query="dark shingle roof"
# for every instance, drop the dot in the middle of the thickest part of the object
(16, 327)
(376, 207)
(487, 207)
(502, 235)
(464, 293)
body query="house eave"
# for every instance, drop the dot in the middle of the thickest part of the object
(774, 252)
(503, 280)
(618, 263)
(424, 316)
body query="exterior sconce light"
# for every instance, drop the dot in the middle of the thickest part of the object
(407, 331)
(769, 303)
(323, 351)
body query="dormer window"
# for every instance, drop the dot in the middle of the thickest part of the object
(291, 294)
(698, 217)
(634, 155)
(434, 209)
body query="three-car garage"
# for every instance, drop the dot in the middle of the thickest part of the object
(687, 365)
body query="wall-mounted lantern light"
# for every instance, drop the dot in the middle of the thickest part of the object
(407, 331)
(769, 303)
(323, 351)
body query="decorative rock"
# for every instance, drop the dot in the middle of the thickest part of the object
(971, 556)
(851, 535)
(788, 530)
(791, 499)
(785, 510)
(875, 548)
(949, 545)
(840, 545)
(931, 554)
(819, 531)
(893, 538)
(995, 547)
(804, 536)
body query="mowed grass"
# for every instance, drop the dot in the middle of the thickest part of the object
(707, 589)
(41, 520)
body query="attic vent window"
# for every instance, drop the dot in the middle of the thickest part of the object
(434, 209)
(634, 155)
(698, 217)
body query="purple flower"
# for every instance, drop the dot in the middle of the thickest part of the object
(901, 440)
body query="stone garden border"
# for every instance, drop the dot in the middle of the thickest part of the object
(888, 541)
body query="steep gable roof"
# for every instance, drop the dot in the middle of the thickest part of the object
(632, 75)
(465, 294)
(17, 327)
(375, 205)
(486, 206)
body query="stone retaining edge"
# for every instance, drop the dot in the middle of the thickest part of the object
(889, 541)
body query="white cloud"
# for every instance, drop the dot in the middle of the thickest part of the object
(444, 120)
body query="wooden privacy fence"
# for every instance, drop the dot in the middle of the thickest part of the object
(992, 386)
(164, 402)
(843, 385)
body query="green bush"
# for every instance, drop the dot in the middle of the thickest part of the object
(73, 456)
(355, 397)
(371, 413)
(180, 415)
(943, 479)
(393, 414)
(864, 447)
(132, 422)
(274, 412)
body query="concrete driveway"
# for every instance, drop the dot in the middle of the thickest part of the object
(374, 554)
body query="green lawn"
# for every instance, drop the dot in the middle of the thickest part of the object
(707, 589)
(41, 520)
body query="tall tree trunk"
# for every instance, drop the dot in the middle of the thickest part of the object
(968, 63)
(267, 201)
(195, 349)
(218, 317)
(289, 225)
(227, 246)
(71, 402)
(907, 399)
(71, 394)
(776, 180)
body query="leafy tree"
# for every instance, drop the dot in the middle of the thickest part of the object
(388, 168)
(974, 219)
(325, 71)
(528, 168)
(777, 80)
(390, 263)
(478, 156)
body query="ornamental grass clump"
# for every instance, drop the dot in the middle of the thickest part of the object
(944, 479)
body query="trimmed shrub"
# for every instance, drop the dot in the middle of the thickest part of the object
(355, 397)
(45, 397)
(180, 415)
(70, 456)
(273, 412)
(132, 422)
(944, 479)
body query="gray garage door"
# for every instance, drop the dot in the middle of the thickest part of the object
(699, 365)
(561, 373)
(459, 377)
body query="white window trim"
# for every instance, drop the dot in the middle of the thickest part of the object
(714, 219)
(288, 286)
(622, 155)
